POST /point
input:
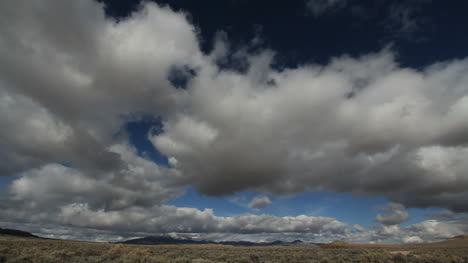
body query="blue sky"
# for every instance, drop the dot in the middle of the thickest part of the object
(346, 207)
(355, 210)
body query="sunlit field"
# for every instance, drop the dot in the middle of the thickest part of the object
(13, 249)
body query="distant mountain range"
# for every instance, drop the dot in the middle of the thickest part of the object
(167, 240)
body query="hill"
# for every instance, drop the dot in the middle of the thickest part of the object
(14, 232)
(462, 237)
(454, 242)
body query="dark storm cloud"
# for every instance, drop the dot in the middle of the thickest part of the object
(70, 79)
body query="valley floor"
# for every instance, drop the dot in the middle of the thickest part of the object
(14, 249)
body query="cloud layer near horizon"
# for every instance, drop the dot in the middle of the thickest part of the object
(71, 78)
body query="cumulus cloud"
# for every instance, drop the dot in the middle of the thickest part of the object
(362, 125)
(437, 230)
(61, 120)
(395, 214)
(70, 79)
(429, 230)
(259, 202)
(142, 183)
(165, 219)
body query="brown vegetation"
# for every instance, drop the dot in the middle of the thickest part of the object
(16, 249)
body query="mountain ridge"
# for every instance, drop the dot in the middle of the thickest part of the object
(167, 240)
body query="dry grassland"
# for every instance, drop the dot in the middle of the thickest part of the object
(13, 249)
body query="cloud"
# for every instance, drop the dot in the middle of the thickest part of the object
(425, 231)
(403, 20)
(78, 221)
(67, 110)
(320, 7)
(142, 183)
(437, 230)
(444, 215)
(395, 214)
(406, 19)
(359, 228)
(429, 230)
(70, 79)
(259, 202)
(166, 219)
(362, 125)
(412, 239)
(396, 217)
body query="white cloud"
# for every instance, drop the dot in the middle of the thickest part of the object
(412, 239)
(166, 219)
(359, 228)
(141, 183)
(425, 231)
(437, 230)
(307, 133)
(259, 202)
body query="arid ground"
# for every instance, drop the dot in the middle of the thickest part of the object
(16, 249)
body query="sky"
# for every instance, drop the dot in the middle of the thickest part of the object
(317, 120)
